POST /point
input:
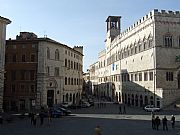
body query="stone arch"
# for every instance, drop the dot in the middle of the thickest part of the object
(146, 100)
(141, 100)
(132, 99)
(70, 97)
(67, 97)
(125, 98)
(136, 100)
(129, 99)
(74, 98)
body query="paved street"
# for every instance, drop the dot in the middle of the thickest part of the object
(83, 121)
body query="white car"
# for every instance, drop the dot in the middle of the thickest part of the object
(151, 108)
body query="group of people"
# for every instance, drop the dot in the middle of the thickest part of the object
(122, 107)
(34, 116)
(156, 122)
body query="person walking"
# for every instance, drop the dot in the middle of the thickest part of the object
(173, 121)
(32, 118)
(35, 119)
(120, 111)
(1, 120)
(164, 122)
(41, 115)
(98, 130)
(153, 122)
(124, 109)
(157, 122)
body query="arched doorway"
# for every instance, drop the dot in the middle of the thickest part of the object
(50, 98)
(70, 97)
(125, 98)
(132, 99)
(141, 100)
(67, 96)
(146, 100)
(128, 99)
(136, 100)
(73, 98)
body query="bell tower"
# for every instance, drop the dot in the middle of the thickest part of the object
(113, 27)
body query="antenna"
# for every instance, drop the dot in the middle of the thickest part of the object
(45, 36)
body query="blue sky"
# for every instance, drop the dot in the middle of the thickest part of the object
(76, 22)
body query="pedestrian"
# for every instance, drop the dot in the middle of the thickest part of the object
(32, 118)
(164, 122)
(157, 122)
(120, 111)
(41, 115)
(124, 109)
(35, 119)
(1, 120)
(173, 121)
(153, 122)
(98, 130)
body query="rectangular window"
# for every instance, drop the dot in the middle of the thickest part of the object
(13, 75)
(13, 88)
(14, 58)
(132, 77)
(32, 75)
(145, 76)
(136, 77)
(32, 58)
(23, 75)
(169, 76)
(23, 58)
(47, 70)
(151, 76)
(32, 88)
(140, 76)
(56, 73)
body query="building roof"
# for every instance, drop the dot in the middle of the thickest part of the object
(113, 18)
(43, 39)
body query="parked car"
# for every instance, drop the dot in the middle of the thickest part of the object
(66, 104)
(85, 104)
(151, 108)
(55, 113)
(64, 111)
(91, 102)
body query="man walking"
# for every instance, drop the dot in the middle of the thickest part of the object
(157, 122)
(164, 121)
(153, 122)
(173, 121)
(120, 112)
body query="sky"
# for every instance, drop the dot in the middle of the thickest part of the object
(76, 22)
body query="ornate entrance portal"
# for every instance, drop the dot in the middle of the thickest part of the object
(50, 98)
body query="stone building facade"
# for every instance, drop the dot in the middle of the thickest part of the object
(141, 64)
(3, 23)
(54, 76)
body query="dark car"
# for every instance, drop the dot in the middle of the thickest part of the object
(55, 113)
(64, 111)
